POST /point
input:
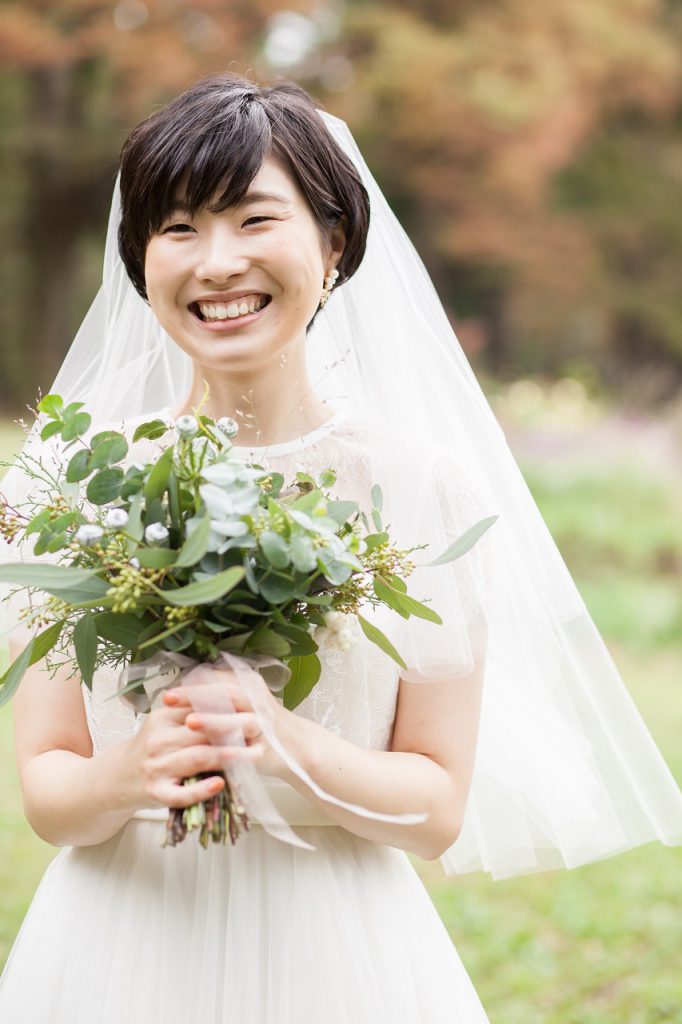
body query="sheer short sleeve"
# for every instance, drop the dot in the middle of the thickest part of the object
(446, 502)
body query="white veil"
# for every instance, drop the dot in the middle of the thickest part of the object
(566, 771)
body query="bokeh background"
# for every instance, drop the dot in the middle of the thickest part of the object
(533, 152)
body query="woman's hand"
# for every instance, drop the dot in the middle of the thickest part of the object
(208, 728)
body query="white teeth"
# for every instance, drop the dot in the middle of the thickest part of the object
(232, 310)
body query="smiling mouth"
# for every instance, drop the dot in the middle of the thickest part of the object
(216, 312)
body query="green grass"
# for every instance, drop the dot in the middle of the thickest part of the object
(595, 945)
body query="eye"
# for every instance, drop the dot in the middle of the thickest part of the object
(177, 227)
(257, 220)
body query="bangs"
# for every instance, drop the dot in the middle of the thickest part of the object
(210, 163)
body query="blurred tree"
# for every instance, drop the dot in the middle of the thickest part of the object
(77, 75)
(530, 151)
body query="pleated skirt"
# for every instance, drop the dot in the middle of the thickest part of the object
(259, 933)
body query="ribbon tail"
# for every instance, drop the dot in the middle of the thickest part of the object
(253, 685)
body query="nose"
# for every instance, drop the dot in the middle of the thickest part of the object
(221, 256)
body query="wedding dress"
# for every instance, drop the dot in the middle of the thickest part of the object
(263, 932)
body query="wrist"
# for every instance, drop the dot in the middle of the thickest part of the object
(298, 737)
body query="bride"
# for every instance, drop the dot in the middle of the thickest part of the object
(253, 270)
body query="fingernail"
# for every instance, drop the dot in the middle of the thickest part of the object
(171, 698)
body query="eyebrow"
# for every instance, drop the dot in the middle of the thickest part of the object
(181, 205)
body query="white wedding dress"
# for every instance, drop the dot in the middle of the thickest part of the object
(126, 932)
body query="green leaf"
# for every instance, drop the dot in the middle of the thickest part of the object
(277, 590)
(151, 429)
(105, 486)
(264, 640)
(155, 558)
(390, 597)
(85, 642)
(135, 528)
(380, 639)
(465, 542)
(196, 545)
(375, 540)
(50, 429)
(70, 410)
(305, 672)
(377, 498)
(303, 553)
(174, 502)
(327, 478)
(205, 591)
(341, 511)
(38, 522)
(336, 572)
(122, 628)
(34, 651)
(51, 404)
(79, 466)
(301, 640)
(158, 477)
(76, 425)
(275, 549)
(376, 519)
(112, 448)
(395, 597)
(71, 584)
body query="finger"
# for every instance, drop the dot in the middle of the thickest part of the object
(193, 760)
(180, 696)
(217, 725)
(170, 793)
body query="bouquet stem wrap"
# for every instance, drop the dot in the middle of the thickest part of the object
(255, 675)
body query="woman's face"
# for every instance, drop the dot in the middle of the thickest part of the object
(235, 289)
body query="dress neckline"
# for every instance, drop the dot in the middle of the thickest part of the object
(294, 444)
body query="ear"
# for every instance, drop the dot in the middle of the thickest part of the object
(337, 241)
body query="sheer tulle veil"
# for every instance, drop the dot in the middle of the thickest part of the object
(566, 771)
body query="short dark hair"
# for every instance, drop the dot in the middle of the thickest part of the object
(218, 133)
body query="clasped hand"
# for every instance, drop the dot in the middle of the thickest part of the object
(176, 742)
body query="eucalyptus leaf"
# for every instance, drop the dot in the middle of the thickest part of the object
(122, 628)
(205, 591)
(69, 583)
(85, 642)
(275, 549)
(305, 672)
(465, 542)
(50, 429)
(79, 466)
(152, 430)
(35, 650)
(374, 634)
(76, 425)
(264, 640)
(196, 545)
(51, 404)
(155, 558)
(277, 590)
(377, 497)
(108, 451)
(340, 511)
(105, 486)
(158, 478)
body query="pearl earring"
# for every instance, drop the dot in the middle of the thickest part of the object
(329, 282)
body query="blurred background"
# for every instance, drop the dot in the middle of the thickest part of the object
(534, 155)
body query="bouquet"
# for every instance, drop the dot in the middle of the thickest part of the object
(197, 556)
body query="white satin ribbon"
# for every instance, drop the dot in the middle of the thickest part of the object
(207, 697)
